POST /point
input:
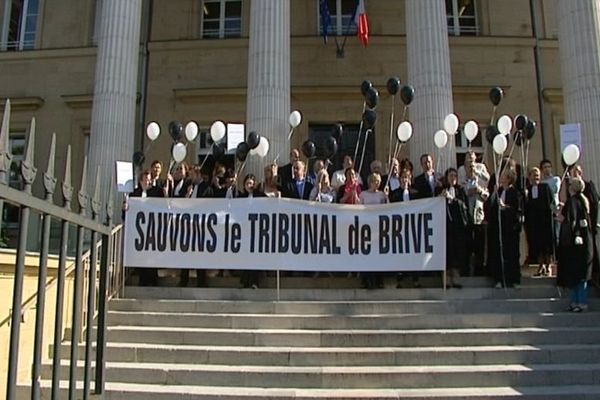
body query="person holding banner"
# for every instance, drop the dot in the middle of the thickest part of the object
(298, 187)
(286, 173)
(575, 251)
(373, 280)
(250, 278)
(456, 226)
(155, 170)
(148, 276)
(270, 186)
(339, 177)
(322, 192)
(349, 192)
(405, 193)
(177, 183)
(504, 231)
(429, 182)
(392, 179)
(197, 185)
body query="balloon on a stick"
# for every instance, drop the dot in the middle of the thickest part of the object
(178, 151)
(295, 119)
(191, 131)
(440, 139)
(504, 124)
(404, 131)
(471, 130)
(571, 154)
(500, 144)
(451, 124)
(152, 131)
(217, 131)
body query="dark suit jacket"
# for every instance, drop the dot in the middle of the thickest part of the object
(285, 174)
(396, 196)
(421, 185)
(289, 190)
(256, 193)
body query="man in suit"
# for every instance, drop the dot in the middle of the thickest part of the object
(148, 276)
(298, 187)
(285, 172)
(429, 182)
(197, 185)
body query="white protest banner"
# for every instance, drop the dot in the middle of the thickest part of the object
(285, 234)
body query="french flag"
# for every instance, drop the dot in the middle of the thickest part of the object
(362, 24)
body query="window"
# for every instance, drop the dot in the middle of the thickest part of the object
(461, 16)
(319, 133)
(221, 19)
(341, 12)
(20, 23)
(462, 146)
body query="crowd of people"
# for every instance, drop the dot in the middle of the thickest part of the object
(484, 218)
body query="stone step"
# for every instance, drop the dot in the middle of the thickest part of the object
(477, 291)
(346, 356)
(379, 321)
(457, 306)
(133, 391)
(362, 377)
(354, 338)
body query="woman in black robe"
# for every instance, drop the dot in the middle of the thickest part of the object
(575, 246)
(504, 231)
(250, 278)
(456, 226)
(539, 222)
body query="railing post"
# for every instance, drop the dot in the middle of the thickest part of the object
(91, 293)
(78, 285)
(49, 185)
(28, 173)
(102, 299)
(5, 155)
(67, 191)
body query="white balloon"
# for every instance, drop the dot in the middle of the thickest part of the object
(451, 124)
(179, 152)
(191, 131)
(571, 154)
(217, 131)
(500, 144)
(471, 130)
(404, 131)
(263, 147)
(440, 139)
(295, 119)
(153, 131)
(505, 124)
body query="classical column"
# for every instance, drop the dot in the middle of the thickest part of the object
(429, 72)
(268, 99)
(579, 45)
(113, 112)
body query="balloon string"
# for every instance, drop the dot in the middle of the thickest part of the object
(359, 132)
(391, 133)
(387, 183)
(207, 154)
(290, 134)
(362, 158)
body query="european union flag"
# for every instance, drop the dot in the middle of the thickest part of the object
(325, 18)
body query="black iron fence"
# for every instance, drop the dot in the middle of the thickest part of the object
(97, 272)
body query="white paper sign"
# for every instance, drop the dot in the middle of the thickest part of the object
(570, 134)
(124, 177)
(286, 234)
(235, 136)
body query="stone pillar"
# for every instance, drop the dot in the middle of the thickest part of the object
(429, 72)
(579, 36)
(268, 99)
(114, 108)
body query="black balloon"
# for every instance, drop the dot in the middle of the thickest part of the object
(331, 147)
(309, 149)
(138, 158)
(407, 94)
(530, 129)
(496, 94)
(218, 150)
(372, 97)
(490, 133)
(253, 140)
(521, 121)
(338, 131)
(365, 86)
(369, 117)
(241, 152)
(393, 85)
(176, 130)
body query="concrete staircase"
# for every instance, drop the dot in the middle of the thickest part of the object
(474, 343)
